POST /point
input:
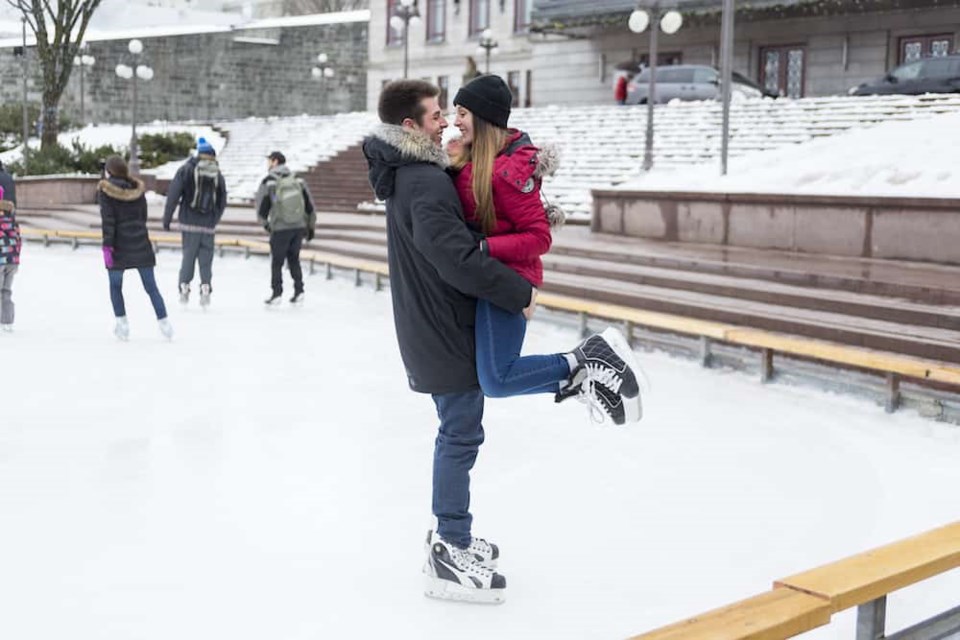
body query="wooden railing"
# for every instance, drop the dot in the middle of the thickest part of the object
(807, 600)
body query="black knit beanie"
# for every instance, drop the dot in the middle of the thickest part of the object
(487, 97)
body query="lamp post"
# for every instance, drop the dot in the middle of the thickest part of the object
(322, 72)
(726, 79)
(670, 22)
(405, 13)
(135, 71)
(83, 61)
(485, 46)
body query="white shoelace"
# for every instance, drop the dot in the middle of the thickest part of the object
(588, 396)
(604, 375)
(466, 561)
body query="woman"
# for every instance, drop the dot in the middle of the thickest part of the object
(126, 243)
(498, 174)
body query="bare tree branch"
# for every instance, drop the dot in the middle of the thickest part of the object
(59, 29)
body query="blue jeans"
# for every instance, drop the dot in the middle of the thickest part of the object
(501, 370)
(455, 450)
(149, 285)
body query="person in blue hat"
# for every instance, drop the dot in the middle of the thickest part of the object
(200, 192)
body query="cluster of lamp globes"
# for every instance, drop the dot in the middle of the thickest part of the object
(126, 71)
(670, 23)
(407, 13)
(323, 71)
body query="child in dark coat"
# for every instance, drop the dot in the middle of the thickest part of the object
(10, 243)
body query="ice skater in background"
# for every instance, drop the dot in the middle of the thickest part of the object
(498, 174)
(126, 243)
(10, 244)
(200, 192)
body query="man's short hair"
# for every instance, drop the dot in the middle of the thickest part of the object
(401, 99)
(279, 157)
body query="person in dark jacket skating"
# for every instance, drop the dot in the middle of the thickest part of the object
(200, 192)
(437, 272)
(126, 243)
(498, 175)
(285, 209)
(9, 185)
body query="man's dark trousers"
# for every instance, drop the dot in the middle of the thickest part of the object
(285, 245)
(455, 450)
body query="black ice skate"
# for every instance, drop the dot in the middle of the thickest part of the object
(486, 553)
(608, 370)
(274, 299)
(451, 573)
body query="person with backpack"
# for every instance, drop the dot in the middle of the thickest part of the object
(200, 191)
(285, 209)
(10, 245)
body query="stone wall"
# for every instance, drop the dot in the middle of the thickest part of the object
(926, 229)
(215, 76)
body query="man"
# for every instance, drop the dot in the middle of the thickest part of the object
(8, 185)
(200, 191)
(285, 209)
(437, 270)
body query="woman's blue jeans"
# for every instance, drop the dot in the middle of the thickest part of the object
(501, 370)
(149, 285)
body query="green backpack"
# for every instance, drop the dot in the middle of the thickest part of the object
(289, 209)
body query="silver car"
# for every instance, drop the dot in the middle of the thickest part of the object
(688, 82)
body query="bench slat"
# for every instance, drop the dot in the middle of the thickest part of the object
(777, 614)
(867, 576)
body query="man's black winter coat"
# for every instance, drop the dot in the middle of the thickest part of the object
(437, 270)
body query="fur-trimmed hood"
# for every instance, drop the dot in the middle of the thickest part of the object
(7, 206)
(390, 147)
(121, 189)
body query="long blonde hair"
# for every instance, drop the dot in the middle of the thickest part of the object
(488, 141)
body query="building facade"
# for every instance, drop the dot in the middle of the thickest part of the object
(792, 47)
(264, 68)
(446, 34)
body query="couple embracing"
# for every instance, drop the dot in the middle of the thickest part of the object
(465, 235)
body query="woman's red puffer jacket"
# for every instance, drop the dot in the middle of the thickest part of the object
(522, 233)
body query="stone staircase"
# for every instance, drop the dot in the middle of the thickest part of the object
(340, 183)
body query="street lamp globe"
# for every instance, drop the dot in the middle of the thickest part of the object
(397, 23)
(487, 34)
(671, 22)
(328, 72)
(145, 73)
(316, 72)
(135, 47)
(322, 58)
(124, 71)
(639, 21)
(415, 20)
(88, 61)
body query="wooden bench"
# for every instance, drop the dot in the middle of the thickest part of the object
(774, 615)
(870, 575)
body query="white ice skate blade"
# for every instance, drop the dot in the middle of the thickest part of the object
(447, 590)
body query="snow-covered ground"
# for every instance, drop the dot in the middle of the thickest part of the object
(267, 475)
(915, 158)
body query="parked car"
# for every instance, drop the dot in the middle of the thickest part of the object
(930, 75)
(689, 82)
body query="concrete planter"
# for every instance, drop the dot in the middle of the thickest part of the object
(925, 229)
(51, 192)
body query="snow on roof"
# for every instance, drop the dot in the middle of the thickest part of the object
(191, 27)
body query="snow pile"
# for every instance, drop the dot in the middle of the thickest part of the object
(118, 136)
(914, 158)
